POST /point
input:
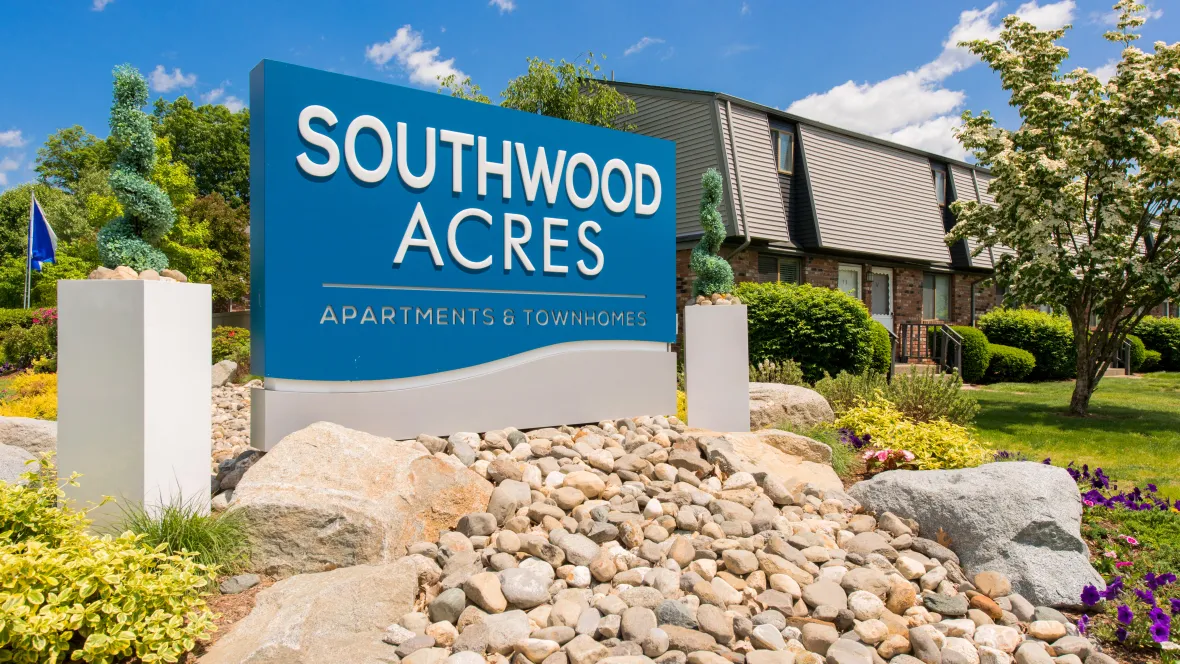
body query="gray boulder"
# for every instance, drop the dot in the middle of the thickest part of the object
(14, 463)
(221, 372)
(337, 616)
(1018, 518)
(327, 496)
(773, 403)
(34, 436)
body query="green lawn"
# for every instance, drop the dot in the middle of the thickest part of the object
(1133, 432)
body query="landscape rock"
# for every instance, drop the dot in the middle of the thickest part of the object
(14, 462)
(327, 496)
(222, 371)
(36, 437)
(775, 403)
(1029, 531)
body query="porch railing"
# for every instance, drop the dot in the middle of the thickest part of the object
(936, 342)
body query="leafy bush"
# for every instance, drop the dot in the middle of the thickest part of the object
(847, 390)
(231, 343)
(1048, 337)
(976, 353)
(935, 445)
(71, 596)
(1138, 352)
(24, 345)
(924, 397)
(17, 317)
(1151, 361)
(219, 540)
(30, 395)
(769, 371)
(1009, 365)
(682, 406)
(882, 349)
(1163, 336)
(824, 330)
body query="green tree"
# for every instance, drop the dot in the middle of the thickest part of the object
(62, 210)
(1087, 189)
(566, 90)
(70, 152)
(213, 142)
(229, 237)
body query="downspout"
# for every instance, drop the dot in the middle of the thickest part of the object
(737, 176)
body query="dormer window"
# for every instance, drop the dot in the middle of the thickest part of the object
(784, 151)
(939, 176)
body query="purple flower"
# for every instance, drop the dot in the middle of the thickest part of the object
(1083, 624)
(1113, 588)
(1125, 614)
(1121, 634)
(1160, 632)
(1175, 606)
(1147, 596)
(1151, 488)
(1090, 595)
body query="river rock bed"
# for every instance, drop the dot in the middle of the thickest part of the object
(230, 434)
(640, 540)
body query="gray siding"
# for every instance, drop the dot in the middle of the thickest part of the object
(873, 199)
(760, 190)
(964, 190)
(690, 124)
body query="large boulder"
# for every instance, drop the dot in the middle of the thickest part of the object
(35, 436)
(14, 462)
(773, 404)
(794, 471)
(800, 446)
(337, 616)
(1019, 518)
(327, 497)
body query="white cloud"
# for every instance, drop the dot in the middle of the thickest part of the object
(422, 65)
(503, 5)
(7, 164)
(100, 5)
(745, 8)
(233, 104)
(162, 81)
(11, 139)
(914, 107)
(1107, 71)
(217, 95)
(642, 44)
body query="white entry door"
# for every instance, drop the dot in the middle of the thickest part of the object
(882, 289)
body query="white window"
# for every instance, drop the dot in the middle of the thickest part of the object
(848, 280)
(939, 185)
(936, 296)
(784, 151)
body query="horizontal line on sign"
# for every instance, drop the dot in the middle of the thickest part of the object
(627, 296)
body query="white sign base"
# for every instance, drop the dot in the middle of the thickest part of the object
(594, 381)
(717, 367)
(133, 392)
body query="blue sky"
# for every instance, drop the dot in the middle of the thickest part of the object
(885, 68)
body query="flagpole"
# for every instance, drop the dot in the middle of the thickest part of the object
(29, 251)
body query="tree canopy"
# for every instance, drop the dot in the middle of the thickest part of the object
(213, 142)
(1087, 190)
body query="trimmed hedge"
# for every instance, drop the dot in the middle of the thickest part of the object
(1151, 361)
(18, 317)
(1048, 337)
(1138, 352)
(823, 329)
(1163, 336)
(882, 349)
(1008, 364)
(976, 353)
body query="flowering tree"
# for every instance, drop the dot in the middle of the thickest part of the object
(1087, 189)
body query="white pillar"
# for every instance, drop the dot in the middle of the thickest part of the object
(133, 392)
(717, 367)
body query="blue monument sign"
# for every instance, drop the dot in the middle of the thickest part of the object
(408, 246)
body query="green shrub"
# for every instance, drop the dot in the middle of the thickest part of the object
(1048, 337)
(24, 345)
(71, 596)
(231, 343)
(1151, 361)
(847, 390)
(1009, 365)
(927, 396)
(219, 540)
(976, 353)
(17, 317)
(882, 349)
(1138, 352)
(786, 372)
(824, 330)
(935, 445)
(1163, 336)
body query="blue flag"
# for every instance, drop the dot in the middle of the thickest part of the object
(42, 239)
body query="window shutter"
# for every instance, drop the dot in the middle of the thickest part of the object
(767, 268)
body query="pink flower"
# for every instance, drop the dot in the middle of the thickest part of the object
(1131, 540)
(1088, 503)
(1110, 554)
(1123, 563)
(909, 456)
(882, 455)
(868, 455)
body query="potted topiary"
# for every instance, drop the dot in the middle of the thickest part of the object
(716, 346)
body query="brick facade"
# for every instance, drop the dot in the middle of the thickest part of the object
(821, 271)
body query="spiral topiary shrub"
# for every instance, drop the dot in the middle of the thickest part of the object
(1047, 336)
(147, 212)
(1008, 364)
(714, 275)
(976, 353)
(822, 329)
